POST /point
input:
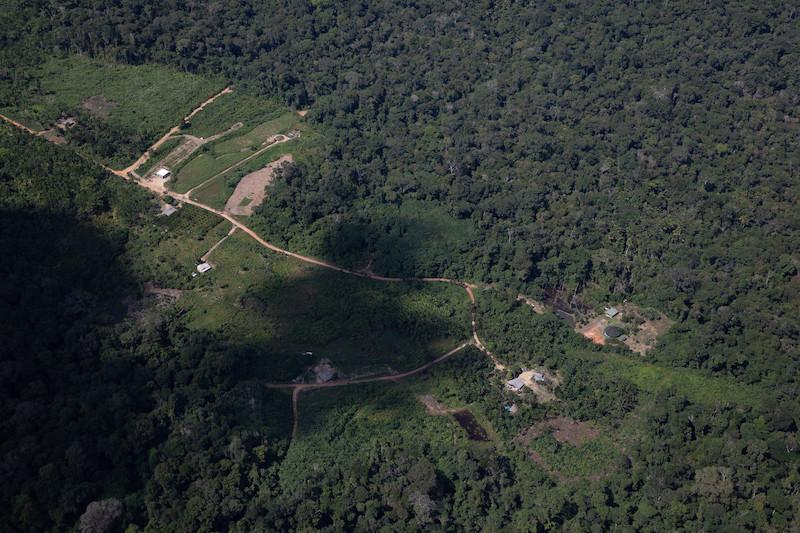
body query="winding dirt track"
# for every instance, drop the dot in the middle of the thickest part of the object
(159, 189)
(146, 156)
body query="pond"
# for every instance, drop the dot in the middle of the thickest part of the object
(467, 421)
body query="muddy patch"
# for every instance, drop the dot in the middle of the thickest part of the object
(563, 429)
(467, 421)
(99, 106)
(464, 417)
(433, 407)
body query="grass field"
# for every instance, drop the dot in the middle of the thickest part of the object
(231, 149)
(283, 308)
(144, 101)
(232, 108)
(693, 384)
(167, 251)
(158, 155)
(217, 191)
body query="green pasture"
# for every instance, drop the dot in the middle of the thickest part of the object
(215, 157)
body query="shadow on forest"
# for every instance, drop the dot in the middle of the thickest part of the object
(395, 243)
(68, 403)
(96, 403)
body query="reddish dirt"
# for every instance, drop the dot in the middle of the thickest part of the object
(253, 187)
(594, 330)
(563, 429)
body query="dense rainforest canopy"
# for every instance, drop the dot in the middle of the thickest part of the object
(580, 151)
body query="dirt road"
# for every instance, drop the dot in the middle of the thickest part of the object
(146, 156)
(158, 188)
(297, 388)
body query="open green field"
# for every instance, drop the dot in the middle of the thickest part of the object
(232, 108)
(217, 191)
(167, 251)
(231, 149)
(694, 384)
(282, 307)
(123, 107)
(157, 155)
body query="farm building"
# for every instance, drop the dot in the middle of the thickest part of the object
(324, 371)
(612, 332)
(325, 374)
(203, 267)
(611, 312)
(515, 384)
(168, 210)
(538, 377)
(163, 173)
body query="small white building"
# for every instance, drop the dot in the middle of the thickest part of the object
(163, 173)
(611, 312)
(203, 267)
(538, 377)
(168, 210)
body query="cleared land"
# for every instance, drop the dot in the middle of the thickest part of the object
(218, 157)
(134, 101)
(251, 190)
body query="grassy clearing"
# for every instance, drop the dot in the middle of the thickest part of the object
(138, 102)
(158, 155)
(217, 191)
(351, 425)
(284, 308)
(229, 150)
(202, 167)
(168, 250)
(693, 384)
(232, 108)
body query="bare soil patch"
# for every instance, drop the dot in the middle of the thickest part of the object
(563, 429)
(99, 106)
(433, 407)
(593, 330)
(651, 326)
(251, 190)
(152, 290)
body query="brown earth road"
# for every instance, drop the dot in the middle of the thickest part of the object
(146, 156)
(23, 127)
(297, 388)
(159, 189)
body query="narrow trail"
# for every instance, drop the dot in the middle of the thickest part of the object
(208, 253)
(297, 388)
(145, 157)
(255, 154)
(159, 189)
